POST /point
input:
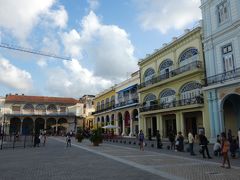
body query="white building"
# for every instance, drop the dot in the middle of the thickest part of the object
(221, 26)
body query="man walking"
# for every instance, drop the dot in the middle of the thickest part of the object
(204, 144)
(68, 140)
(159, 142)
(141, 139)
(191, 142)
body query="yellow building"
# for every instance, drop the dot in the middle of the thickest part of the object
(104, 104)
(171, 93)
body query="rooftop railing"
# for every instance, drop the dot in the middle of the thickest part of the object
(188, 67)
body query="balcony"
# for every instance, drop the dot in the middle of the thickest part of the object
(125, 103)
(32, 113)
(223, 77)
(178, 103)
(103, 110)
(188, 67)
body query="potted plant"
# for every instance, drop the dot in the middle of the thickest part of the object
(79, 136)
(96, 137)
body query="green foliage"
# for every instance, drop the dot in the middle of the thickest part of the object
(96, 136)
(79, 136)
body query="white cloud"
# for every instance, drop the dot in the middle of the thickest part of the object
(108, 48)
(19, 17)
(93, 4)
(74, 80)
(13, 77)
(164, 15)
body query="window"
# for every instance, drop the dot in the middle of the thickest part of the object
(188, 56)
(191, 90)
(228, 61)
(222, 12)
(15, 108)
(167, 96)
(165, 67)
(148, 75)
(149, 100)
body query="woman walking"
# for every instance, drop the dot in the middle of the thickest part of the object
(225, 149)
(141, 139)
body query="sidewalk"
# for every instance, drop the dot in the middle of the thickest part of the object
(152, 146)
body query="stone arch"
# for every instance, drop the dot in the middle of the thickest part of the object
(15, 124)
(107, 120)
(39, 125)
(52, 108)
(120, 122)
(190, 90)
(28, 108)
(40, 109)
(112, 119)
(27, 126)
(167, 95)
(148, 74)
(149, 99)
(51, 126)
(230, 106)
(165, 66)
(62, 126)
(188, 55)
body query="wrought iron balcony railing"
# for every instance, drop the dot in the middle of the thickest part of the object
(223, 77)
(125, 103)
(178, 103)
(188, 67)
(105, 109)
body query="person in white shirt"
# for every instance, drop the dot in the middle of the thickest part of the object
(191, 142)
(217, 148)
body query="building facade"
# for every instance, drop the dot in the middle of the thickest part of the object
(104, 104)
(126, 106)
(27, 115)
(221, 29)
(171, 95)
(88, 109)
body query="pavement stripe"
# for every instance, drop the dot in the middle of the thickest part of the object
(130, 163)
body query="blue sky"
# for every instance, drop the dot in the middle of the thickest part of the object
(104, 38)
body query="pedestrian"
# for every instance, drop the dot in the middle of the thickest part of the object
(159, 141)
(171, 137)
(225, 149)
(141, 140)
(217, 148)
(68, 140)
(233, 148)
(191, 143)
(179, 142)
(44, 139)
(36, 140)
(204, 144)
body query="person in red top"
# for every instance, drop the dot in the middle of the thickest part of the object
(225, 149)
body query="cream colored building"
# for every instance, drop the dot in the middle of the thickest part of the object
(171, 93)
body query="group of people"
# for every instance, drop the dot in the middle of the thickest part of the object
(38, 138)
(224, 145)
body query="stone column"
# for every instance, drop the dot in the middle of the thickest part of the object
(21, 123)
(160, 124)
(131, 126)
(180, 122)
(123, 126)
(117, 129)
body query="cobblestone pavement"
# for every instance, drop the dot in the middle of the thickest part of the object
(108, 161)
(56, 162)
(164, 165)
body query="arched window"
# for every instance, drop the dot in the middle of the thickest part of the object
(40, 108)
(188, 56)
(102, 104)
(191, 90)
(149, 100)
(149, 73)
(98, 106)
(166, 66)
(28, 108)
(107, 102)
(112, 100)
(52, 108)
(167, 96)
